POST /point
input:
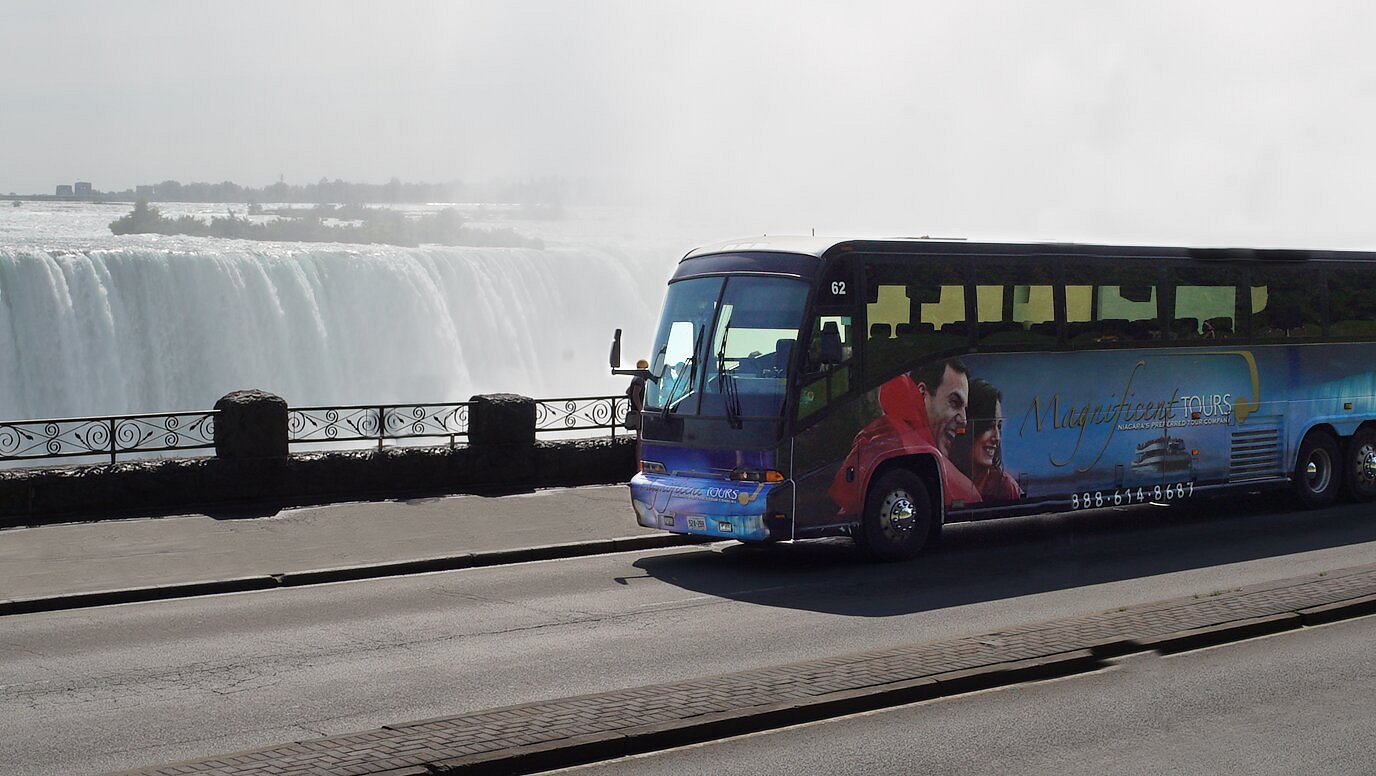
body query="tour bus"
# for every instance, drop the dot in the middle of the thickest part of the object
(880, 389)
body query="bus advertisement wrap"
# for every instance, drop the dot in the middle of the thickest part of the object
(1106, 427)
(879, 389)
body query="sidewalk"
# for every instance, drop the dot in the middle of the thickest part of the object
(61, 566)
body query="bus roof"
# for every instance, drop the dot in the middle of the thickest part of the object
(821, 246)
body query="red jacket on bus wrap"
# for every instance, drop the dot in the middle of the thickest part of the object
(901, 430)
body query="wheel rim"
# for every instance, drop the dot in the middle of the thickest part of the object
(898, 513)
(1318, 471)
(1364, 472)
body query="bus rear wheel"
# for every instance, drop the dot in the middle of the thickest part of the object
(1318, 476)
(1361, 465)
(898, 517)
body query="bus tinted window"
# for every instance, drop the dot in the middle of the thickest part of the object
(912, 310)
(1287, 303)
(828, 364)
(1108, 304)
(1351, 302)
(1015, 304)
(1206, 303)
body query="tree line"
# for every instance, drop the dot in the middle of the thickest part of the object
(326, 223)
(536, 191)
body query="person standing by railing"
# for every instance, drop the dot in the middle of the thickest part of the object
(635, 394)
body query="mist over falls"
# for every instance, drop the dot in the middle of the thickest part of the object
(137, 329)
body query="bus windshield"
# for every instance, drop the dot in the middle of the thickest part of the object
(723, 346)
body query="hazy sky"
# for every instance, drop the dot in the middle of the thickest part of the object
(1225, 122)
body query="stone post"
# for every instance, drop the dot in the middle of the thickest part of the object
(251, 424)
(501, 419)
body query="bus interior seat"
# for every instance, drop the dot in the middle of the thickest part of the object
(1222, 325)
(833, 351)
(998, 327)
(1141, 330)
(1043, 329)
(783, 350)
(1185, 327)
(880, 331)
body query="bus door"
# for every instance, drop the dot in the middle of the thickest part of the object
(825, 385)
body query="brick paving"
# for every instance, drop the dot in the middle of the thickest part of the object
(490, 740)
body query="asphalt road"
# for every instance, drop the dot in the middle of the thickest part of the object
(1297, 702)
(93, 690)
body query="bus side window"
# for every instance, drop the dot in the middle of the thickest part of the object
(1206, 303)
(912, 310)
(1107, 304)
(1015, 304)
(827, 367)
(1287, 303)
(1351, 302)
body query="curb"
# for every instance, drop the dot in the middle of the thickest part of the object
(599, 747)
(1342, 610)
(259, 582)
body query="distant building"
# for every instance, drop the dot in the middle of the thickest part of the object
(83, 189)
(64, 190)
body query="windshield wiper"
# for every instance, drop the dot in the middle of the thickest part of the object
(730, 393)
(690, 368)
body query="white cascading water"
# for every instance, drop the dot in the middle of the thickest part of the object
(129, 329)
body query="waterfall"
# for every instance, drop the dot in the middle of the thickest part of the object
(128, 329)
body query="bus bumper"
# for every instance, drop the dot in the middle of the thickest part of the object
(749, 511)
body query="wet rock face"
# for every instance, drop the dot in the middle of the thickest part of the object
(251, 424)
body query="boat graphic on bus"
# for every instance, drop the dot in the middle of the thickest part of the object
(1166, 455)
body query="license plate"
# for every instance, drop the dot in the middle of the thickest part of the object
(697, 524)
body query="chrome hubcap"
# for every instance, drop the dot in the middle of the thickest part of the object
(898, 513)
(1318, 471)
(1366, 465)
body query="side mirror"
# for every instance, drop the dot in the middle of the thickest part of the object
(616, 350)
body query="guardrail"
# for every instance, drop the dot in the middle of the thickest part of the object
(377, 422)
(581, 414)
(127, 435)
(381, 423)
(24, 440)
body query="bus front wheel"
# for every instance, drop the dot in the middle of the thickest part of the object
(1361, 465)
(1318, 475)
(898, 517)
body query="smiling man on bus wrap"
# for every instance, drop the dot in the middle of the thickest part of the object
(917, 419)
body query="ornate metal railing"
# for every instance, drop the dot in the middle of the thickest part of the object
(107, 436)
(126, 435)
(381, 423)
(377, 422)
(581, 414)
